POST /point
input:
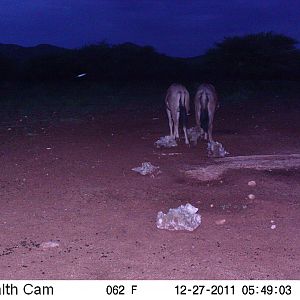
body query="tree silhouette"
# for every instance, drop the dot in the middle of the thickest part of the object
(255, 56)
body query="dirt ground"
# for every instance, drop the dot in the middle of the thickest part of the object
(69, 181)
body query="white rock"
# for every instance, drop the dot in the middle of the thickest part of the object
(166, 142)
(146, 168)
(220, 222)
(251, 196)
(50, 244)
(252, 183)
(184, 217)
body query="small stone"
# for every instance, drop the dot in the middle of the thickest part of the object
(273, 226)
(252, 183)
(50, 244)
(220, 222)
(251, 196)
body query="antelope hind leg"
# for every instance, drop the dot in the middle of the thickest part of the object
(170, 123)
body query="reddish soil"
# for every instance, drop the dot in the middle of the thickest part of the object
(72, 183)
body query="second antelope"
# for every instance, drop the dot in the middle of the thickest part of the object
(206, 101)
(177, 104)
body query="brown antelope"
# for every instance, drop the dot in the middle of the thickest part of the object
(206, 101)
(177, 104)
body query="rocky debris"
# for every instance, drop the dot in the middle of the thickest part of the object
(194, 134)
(216, 149)
(166, 142)
(146, 168)
(184, 217)
(252, 183)
(49, 244)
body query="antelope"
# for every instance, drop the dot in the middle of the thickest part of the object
(177, 104)
(206, 101)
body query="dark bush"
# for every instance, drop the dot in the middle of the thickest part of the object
(263, 56)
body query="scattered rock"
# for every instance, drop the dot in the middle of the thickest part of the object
(171, 154)
(220, 222)
(252, 183)
(184, 217)
(166, 142)
(251, 196)
(146, 168)
(194, 134)
(216, 149)
(47, 245)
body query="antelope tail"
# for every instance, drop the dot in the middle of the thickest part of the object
(204, 117)
(183, 111)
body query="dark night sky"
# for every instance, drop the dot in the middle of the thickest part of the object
(178, 28)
